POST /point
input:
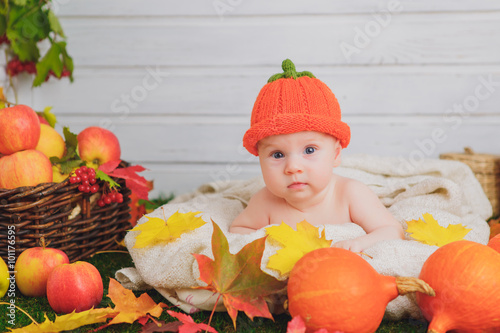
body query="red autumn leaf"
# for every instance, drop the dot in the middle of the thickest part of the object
(297, 325)
(137, 184)
(137, 210)
(238, 277)
(109, 166)
(188, 324)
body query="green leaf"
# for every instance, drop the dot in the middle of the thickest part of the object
(3, 25)
(155, 203)
(68, 166)
(50, 61)
(26, 50)
(71, 159)
(54, 23)
(20, 2)
(103, 176)
(70, 138)
(67, 61)
(29, 21)
(49, 116)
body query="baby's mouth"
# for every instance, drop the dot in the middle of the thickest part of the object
(297, 185)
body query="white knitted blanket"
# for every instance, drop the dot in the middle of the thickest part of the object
(446, 189)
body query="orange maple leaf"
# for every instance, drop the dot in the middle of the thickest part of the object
(238, 277)
(129, 307)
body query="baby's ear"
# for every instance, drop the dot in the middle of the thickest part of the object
(337, 155)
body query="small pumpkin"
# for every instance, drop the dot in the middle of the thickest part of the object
(465, 276)
(338, 290)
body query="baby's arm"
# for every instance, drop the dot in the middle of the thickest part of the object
(253, 217)
(366, 210)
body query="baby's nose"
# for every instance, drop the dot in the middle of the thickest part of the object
(293, 166)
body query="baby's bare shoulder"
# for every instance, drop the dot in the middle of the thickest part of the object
(255, 215)
(350, 186)
(354, 191)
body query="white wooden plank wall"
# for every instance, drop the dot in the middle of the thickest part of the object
(176, 80)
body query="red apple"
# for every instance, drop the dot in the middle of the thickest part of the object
(74, 287)
(33, 268)
(19, 129)
(24, 168)
(98, 145)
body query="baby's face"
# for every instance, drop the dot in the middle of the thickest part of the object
(298, 166)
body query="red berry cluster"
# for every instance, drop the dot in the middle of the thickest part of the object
(85, 176)
(4, 39)
(16, 66)
(108, 199)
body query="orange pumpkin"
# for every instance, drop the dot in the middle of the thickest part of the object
(336, 289)
(465, 276)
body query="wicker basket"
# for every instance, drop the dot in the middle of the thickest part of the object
(487, 170)
(66, 218)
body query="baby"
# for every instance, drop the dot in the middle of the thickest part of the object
(297, 133)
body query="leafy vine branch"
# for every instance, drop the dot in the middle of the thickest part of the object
(27, 27)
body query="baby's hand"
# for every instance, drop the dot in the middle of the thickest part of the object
(354, 245)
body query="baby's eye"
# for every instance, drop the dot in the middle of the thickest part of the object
(309, 150)
(278, 154)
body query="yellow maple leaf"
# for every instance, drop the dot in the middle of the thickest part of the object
(67, 322)
(295, 244)
(156, 230)
(431, 233)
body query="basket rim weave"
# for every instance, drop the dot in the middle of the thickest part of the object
(486, 168)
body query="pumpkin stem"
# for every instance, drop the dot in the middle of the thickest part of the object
(408, 285)
(289, 71)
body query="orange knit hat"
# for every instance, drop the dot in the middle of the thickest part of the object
(294, 102)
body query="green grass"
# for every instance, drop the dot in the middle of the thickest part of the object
(109, 263)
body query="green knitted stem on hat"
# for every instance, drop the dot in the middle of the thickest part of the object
(289, 72)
